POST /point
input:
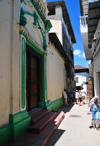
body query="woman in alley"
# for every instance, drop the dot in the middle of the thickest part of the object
(95, 113)
(65, 97)
(76, 97)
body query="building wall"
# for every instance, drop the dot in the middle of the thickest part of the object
(57, 26)
(14, 118)
(9, 48)
(55, 74)
(97, 75)
(56, 21)
(96, 62)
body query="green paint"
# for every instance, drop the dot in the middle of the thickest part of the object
(18, 124)
(44, 79)
(13, 119)
(36, 19)
(47, 26)
(23, 22)
(43, 36)
(28, 13)
(5, 135)
(19, 128)
(44, 74)
(55, 105)
(41, 16)
(23, 75)
(44, 104)
(23, 1)
(32, 44)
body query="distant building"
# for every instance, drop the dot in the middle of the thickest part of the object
(59, 17)
(81, 77)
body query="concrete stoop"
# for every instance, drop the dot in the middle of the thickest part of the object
(43, 125)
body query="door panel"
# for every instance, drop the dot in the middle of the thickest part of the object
(32, 80)
(34, 100)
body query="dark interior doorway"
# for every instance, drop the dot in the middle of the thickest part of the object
(32, 79)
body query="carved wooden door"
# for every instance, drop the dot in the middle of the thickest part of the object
(32, 80)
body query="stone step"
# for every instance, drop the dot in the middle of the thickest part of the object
(47, 133)
(38, 116)
(34, 139)
(38, 128)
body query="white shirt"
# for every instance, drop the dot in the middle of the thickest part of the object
(64, 94)
(83, 92)
(76, 95)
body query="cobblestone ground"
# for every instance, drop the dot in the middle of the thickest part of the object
(74, 129)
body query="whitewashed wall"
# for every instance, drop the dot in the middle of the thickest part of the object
(55, 74)
(9, 59)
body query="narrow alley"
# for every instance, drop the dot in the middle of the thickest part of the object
(49, 59)
(74, 129)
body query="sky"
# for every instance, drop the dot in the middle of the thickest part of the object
(78, 48)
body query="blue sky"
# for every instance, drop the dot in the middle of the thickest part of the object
(74, 13)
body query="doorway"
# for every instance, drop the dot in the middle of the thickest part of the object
(33, 79)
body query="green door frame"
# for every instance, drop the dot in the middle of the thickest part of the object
(26, 39)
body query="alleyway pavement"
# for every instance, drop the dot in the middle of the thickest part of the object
(74, 129)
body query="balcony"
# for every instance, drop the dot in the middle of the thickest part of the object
(84, 34)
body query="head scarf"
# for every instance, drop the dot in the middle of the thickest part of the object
(91, 103)
(92, 100)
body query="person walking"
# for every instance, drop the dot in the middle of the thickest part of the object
(65, 97)
(95, 113)
(79, 98)
(76, 97)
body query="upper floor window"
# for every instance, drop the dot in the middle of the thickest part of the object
(84, 20)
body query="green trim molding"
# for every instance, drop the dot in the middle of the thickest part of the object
(54, 105)
(39, 50)
(31, 42)
(23, 22)
(44, 79)
(23, 1)
(18, 124)
(46, 22)
(23, 73)
(5, 135)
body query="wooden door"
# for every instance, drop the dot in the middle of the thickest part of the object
(32, 80)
